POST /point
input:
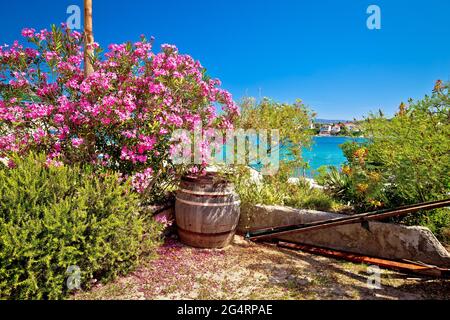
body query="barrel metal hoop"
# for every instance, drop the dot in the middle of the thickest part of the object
(203, 193)
(202, 204)
(208, 234)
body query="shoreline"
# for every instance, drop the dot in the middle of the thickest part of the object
(334, 136)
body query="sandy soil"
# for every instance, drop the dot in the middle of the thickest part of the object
(247, 270)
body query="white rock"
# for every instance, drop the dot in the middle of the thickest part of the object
(255, 176)
(212, 169)
(4, 161)
(312, 183)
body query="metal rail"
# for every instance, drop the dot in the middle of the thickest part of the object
(405, 267)
(357, 218)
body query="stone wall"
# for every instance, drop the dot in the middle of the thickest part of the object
(382, 240)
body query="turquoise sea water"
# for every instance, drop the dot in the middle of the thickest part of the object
(326, 152)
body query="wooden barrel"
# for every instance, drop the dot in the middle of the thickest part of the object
(206, 211)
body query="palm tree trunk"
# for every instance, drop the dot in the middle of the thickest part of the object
(88, 68)
(89, 38)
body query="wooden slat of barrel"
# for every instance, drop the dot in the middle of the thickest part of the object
(206, 214)
(199, 214)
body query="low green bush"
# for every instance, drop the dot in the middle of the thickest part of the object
(276, 190)
(405, 160)
(54, 220)
(438, 221)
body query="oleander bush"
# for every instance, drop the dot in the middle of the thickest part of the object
(55, 218)
(122, 117)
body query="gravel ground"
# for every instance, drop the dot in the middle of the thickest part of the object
(248, 270)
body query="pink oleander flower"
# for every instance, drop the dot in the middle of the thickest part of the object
(28, 32)
(59, 118)
(141, 180)
(38, 135)
(77, 142)
(53, 163)
(76, 35)
(164, 221)
(50, 55)
(129, 134)
(11, 164)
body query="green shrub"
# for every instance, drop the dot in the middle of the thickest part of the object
(52, 218)
(438, 221)
(276, 190)
(406, 160)
(291, 120)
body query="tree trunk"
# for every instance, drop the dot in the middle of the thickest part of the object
(88, 68)
(89, 38)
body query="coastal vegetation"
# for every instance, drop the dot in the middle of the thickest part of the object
(292, 121)
(84, 155)
(406, 160)
(279, 188)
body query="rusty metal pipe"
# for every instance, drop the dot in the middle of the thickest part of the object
(405, 267)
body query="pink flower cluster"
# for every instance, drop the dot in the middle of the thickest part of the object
(142, 180)
(127, 109)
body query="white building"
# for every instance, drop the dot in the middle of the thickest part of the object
(336, 129)
(325, 130)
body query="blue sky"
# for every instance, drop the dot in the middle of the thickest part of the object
(319, 51)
